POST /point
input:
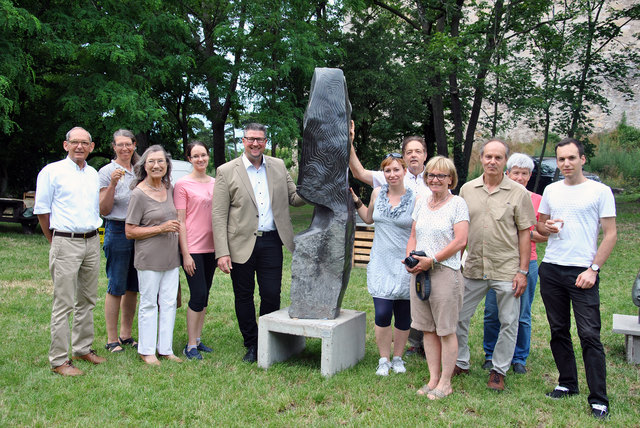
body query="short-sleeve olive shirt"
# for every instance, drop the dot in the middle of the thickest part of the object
(495, 219)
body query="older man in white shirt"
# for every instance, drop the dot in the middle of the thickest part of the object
(67, 207)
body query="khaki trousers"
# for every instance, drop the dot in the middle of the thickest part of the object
(508, 312)
(74, 264)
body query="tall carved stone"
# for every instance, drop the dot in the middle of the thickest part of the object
(321, 262)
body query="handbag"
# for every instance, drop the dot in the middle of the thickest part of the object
(423, 285)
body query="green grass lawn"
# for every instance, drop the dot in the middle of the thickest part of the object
(223, 391)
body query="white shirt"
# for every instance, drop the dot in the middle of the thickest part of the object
(258, 178)
(414, 182)
(581, 207)
(70, 195)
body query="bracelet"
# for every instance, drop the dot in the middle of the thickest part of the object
(359, 203)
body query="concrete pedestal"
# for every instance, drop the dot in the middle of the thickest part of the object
(629, 326)
(343, 338)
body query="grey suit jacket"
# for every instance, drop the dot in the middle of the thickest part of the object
(235, 211)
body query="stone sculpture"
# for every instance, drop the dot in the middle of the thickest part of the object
(321, 262)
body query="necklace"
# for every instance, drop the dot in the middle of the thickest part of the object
(433, 205)
(155, 189)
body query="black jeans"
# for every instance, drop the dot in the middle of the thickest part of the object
(265, 263)
(558, 291)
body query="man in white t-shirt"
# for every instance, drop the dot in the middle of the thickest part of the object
(414, 153)
(572, 212)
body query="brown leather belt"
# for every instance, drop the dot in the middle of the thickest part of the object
(86, 235)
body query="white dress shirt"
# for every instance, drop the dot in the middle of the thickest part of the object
(258, 178)
(70, 195)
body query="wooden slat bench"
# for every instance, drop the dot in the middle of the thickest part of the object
(362, 245)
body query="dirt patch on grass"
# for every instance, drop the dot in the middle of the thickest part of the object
(45, 287)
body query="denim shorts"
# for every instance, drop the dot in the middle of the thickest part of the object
(119, 252)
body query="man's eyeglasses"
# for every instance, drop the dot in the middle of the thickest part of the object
(393, 155)
(255, 140)
(439, 177)
(75, 143)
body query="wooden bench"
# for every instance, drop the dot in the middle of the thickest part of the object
(362, 245)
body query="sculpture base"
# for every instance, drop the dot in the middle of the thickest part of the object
(629, 326)
(343, 339)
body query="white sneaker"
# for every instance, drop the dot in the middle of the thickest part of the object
(383, 367)
(397, 365)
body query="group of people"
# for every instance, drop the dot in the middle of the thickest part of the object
(497, 222)
(152, 228)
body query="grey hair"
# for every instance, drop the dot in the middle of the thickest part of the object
(127, 134)
(75, 128)
(141, 173)
(520, 160)
(253, 126)
(495, 140)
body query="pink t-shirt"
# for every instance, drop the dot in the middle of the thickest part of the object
(535, 200)
(195, 198)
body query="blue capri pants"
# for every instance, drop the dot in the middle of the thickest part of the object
(399, 309)
(119, 252)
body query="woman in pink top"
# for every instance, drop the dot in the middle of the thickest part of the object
(192, 196)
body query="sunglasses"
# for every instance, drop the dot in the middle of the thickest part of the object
(393, 155)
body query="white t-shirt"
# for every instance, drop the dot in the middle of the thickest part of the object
(434, 229)
(414, 182)
(581, 207)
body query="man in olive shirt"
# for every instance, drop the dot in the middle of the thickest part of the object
(498, 252)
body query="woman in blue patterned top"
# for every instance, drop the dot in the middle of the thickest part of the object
(387, 280)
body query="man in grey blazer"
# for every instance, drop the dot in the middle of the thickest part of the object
(251, 222)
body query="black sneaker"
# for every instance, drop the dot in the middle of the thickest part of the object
(204, 348)
(599, 411)
(519, 368)
(560, 392)
(191, 354)
(488, 364)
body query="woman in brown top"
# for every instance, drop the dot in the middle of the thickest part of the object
(152, 220)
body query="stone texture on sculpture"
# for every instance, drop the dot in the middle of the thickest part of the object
(321, 262)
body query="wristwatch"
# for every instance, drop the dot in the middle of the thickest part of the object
(524, 272)
(594, 267)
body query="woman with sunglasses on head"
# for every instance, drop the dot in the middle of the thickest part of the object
(387, 280)
(152, 221)
(122, 288)
(440, 228)
(193, 195)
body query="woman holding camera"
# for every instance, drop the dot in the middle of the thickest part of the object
(440, 228)
(387, 280)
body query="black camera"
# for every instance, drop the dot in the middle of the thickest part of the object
(411, 261)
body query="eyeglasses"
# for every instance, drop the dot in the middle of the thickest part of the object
(74, 143)
(439, 177)
(154, 161)
(393, 155)
(123, 145)
(196, 157)
(255, 140)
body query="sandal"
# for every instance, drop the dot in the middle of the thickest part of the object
(436, 394)
(424, 390)
(128, 342)
(111, 347)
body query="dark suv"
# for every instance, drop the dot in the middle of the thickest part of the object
(550, 173)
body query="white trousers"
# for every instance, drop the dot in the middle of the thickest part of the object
(158, 292)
